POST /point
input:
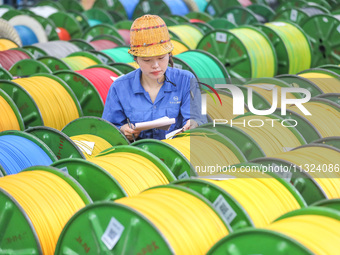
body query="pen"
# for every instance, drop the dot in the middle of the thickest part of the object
(129, 123)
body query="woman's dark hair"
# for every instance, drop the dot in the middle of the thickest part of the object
(171, 61)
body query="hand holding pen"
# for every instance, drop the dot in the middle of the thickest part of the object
(129, 132)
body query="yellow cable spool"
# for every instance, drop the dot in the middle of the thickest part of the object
(134, 64)
(318, 233)
(79, 62)
(327, 83)
(56, 106)
(83, 142)
(312, 158)
(48, 200)
(266, 91)
(187, 34)
(216, 111)
(203, 151)
(261, 53)
(8, 119)
(325, 118)
(272, 137)
(178, 47)
(188, 223)
(6, 44)
(135, 173)
(263, 198)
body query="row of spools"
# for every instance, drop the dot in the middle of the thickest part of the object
(170, 226)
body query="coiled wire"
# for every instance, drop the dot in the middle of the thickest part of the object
(58, 49)
(6, 44)
(103, 44)
(8, 119)
(119, 54)
(26, 35)
(89, 152)
(326, 82)
(10, 57)
(188, 34)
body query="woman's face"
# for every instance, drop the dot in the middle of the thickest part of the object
(153, 67)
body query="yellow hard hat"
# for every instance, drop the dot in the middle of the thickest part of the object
(149, 36)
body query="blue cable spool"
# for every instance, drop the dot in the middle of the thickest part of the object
(26, 35)
(129, 6)
(177, 7)
(201, 4)
(19, 150)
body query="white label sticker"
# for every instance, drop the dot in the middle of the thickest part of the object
(293, 15)
(48, 29)
(211, 10)
(178, 66)
(338, 28)
(113, 78)
(231, 18)
(224, 209)
(282, 172)
(221, 37)
(64, 169)
(112, 233)
(183, 176)
(110, 3)
(146, 6)
(85, 146)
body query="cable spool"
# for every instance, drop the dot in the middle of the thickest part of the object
(332, 141)
(98, 16)
(44, 11)
(26, 34)
(242, 16)
(298, 231)
(125, 33)
(189, 34)
(79, 62)
(10, 57)
(243, 51)
(103, 44)
(264, 11)
(334, 97)
(216, 7)
(58, 49)
(325, 116)
(8, 32)
(272, 137)
(68, 22)
(329, 203)
(177, 7)
(20, 150)
(151, 6)
(44, 100)
(119, 54)
(205, 66)
(221, 23)
(179, 46)
(166, 226)
(42, 201)
(129, 7)
(10, 117)
(217, 149)
(201, 4)
(63, 34)
(327, 81)
(291, 45)
(298, 15)
(6, 44)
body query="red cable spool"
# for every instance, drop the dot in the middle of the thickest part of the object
(63, 34)
(101, 78)
(125, 33)
(197, 20)
(245, 3)
(10, 57)
(103, 44)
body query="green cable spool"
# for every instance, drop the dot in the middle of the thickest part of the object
(180, 19)
(10, 14)
(296, 81)
(59, 143)
(291, 5)
(323, 33)
(68, 22)
(111, 5)
(180, 64)
(221, 23)
(172, 158)
(123, 24)
(188, 33)
(27, 67)
(72, 5)
(54, 64)
(87, 55)
(333, 68)
(332, 141)
(35, 51)
(51, 3)
(329, 203)
(323, 3)
(123, 68)
(28, 109)
(304, 126)
(169, 21)
(82, 44)
(262, 10)
(236, 50)
(14, 108)
(99, 15)
(292, 57)
(4, 74)
(104, 58)
(81, 18)
(241, 16)
(111, 38)
(199, 15)
(216, 7)
(119, 54)
(205, 27)
(248, 146)
(158, 7)
(102, 29)
(211, 72)
(98, 183)
(334, 97)
(311, 210)
(49, 27)
(96, 126)
(258, 241)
